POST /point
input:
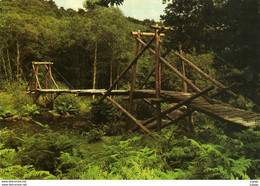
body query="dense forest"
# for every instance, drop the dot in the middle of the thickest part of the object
(81, 139)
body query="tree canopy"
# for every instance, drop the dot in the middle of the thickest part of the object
(91, 4)
(227, 28)
(37, 30)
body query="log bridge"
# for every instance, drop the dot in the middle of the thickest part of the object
(198, 100)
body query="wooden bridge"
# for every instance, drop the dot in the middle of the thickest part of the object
(198, 100)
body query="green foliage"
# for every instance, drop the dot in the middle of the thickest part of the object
(30, 110)
(120, 159)
(242, 103)
(221, 27)
(11, 169)
(17, 102)
(6, 109)
(94, 135)
(43, 151)
(103, 113)
(67, 104)
(91, 4)
(214, 155)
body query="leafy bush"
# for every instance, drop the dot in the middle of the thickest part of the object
(67, 104)
(11, 169)
(103, 113)
(242, 103)
(94, 135)
(43, 151)
(6, 109)
(17, 102)
(120, 159)
(210, 154)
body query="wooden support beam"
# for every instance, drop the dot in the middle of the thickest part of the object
(42, 63)
(46, 81)
(158, 78)
(130, 116)
(147, 78)
(185, 88)
(151, 72)
(146, 34)
(130, 101)
(149, 103)
(157, 100)
(51, 77)
(194, 87)
(204, 74)
(52, 95)
(185, 102)
(162, 27)
(36, 77)
(178, 119)
(126, 69)
(223, 90)
(32, 79)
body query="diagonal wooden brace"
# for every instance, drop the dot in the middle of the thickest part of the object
(185, 102)
(223, 90)
(205, 75)
(178, 119)
(151, 73)
(130, 116)
(194, 87)
(128, 67)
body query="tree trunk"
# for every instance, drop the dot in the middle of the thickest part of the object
(117, 74)
(4, 63)
(10, 66)
(17, 60)
(95, 67)
(185, 88)
(111, 66)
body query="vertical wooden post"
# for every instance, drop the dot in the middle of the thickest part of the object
(130, 101)
(185, 89)
(32, 78)
(117, 75)
(46, 79)
(95, 67)
(45, 76)
(52, 95)
(158, 69)
(36, 76)
(111, 66)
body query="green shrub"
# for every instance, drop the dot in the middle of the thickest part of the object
(24, 104)
(103, 113)
(94, 135)
(6, 108)
(43, 151)
(67, 104)
(11, 168)
(242, 103)
(17, 102)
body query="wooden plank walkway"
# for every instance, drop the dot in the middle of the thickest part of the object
(217, 110)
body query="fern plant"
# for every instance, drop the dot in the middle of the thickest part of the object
(67, 104)
(11, 168)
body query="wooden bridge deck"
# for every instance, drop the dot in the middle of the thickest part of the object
(218, 110)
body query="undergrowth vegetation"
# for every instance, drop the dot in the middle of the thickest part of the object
(209, 153)
(67, 104)
(16, 101)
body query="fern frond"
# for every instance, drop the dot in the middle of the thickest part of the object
(240, 167)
